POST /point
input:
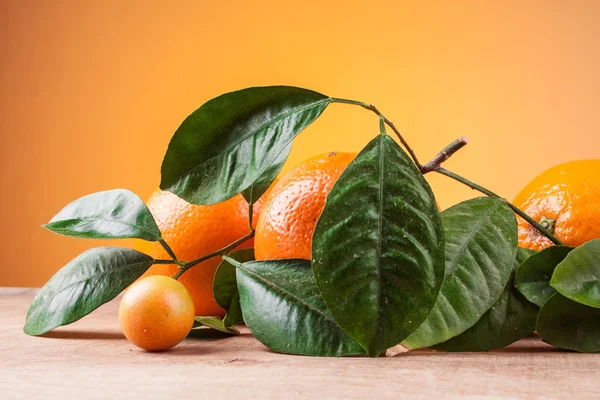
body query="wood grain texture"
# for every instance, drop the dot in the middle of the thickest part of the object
(91, 359)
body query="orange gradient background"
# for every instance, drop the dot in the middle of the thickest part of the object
(91, 92)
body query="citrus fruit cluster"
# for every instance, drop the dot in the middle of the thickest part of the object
(292, 207)
(347, 254)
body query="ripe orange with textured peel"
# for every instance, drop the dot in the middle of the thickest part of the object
(287, 221)
(567, 198)
(156, 313)
(193, 231)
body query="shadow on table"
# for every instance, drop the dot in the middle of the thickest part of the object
(186, 350)
(83, 335)
(531, 344)
(207, 333)
(75, 334)
(180, 350)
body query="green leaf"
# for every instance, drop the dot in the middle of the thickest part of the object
(569, 325)
(225, 287)
(113, 214)
(84, 284)
(260, 186)
(378, 247)
(481, 245)
(207, 333)
(510, 319)
(284, 310)
(578, 275)
(214, 323)
(523, 255)
(231, 142)
(533, 276)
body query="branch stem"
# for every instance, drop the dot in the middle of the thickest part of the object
(443, 155)
(487, 192)
(221, 252)
(432, 166)
(250, 212)
(435, 165)
(164, 262)
(169, 251)
(389, 123)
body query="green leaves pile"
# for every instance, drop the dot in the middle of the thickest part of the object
(387, 267)
(565, 283)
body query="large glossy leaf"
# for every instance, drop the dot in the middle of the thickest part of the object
(230, 142)
(481, 245)
(84, 284)
(378, 247)
(261, 185)
(225, 287)
(533, 276)
(112, 214)
(284, 310)
(578, 275)
(569, 325)
(511, 318)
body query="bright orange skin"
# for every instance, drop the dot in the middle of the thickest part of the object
(156, 313)
(193, 231)
(287, 222)
(568, 193)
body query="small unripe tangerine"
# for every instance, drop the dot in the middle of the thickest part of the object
(156, 313)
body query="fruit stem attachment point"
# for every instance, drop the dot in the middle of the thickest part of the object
(516, 210)
(548, 224)
(185, 266)
(443, 155)
(389, 123)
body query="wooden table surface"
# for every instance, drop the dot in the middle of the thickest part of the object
(92, 359)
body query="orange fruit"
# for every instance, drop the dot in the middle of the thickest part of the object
(290, 213)
(156, 313)
(193, 231)
(567, 199)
